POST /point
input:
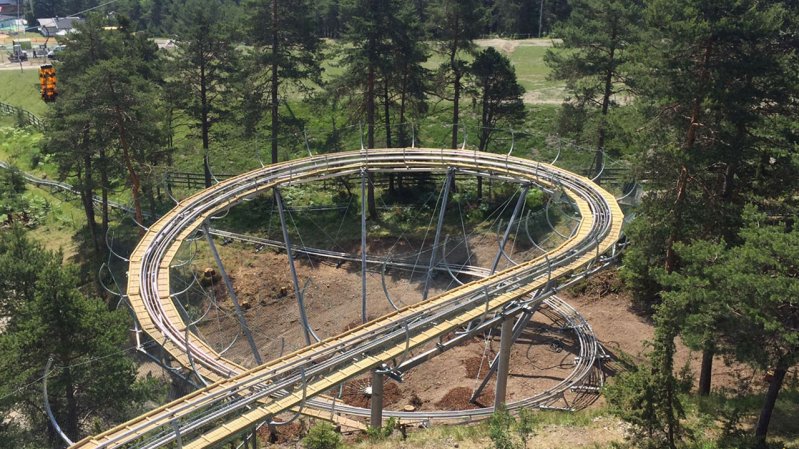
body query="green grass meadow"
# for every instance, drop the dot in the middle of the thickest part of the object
(21, 89)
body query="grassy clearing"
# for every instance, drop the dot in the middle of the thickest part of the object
(62, 218)
(55, 217)
(20, 147)
(21, 89)
(531, 70)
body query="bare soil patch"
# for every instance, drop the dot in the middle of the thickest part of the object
(540, 359)
(509, 45)
(458, 399)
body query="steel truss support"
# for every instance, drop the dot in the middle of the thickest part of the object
(437, 238)
(364, 180)
(178, 438)
(506, 340)
(514, 334)
(232, 293)
(516, 212)
(376, 417)
(306, 327)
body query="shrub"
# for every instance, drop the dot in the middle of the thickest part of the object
(322, 436)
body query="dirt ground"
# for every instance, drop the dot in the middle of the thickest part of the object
(540, 359)
(509, 45)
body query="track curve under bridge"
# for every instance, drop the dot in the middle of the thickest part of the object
(237, 398)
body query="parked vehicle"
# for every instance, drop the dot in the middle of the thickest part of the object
(17, 54)
(54, 54)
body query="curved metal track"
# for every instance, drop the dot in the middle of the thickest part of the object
(238, 398)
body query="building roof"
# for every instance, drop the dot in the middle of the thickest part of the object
(57, 25)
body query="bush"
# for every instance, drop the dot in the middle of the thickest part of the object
(501, 427)
(322, 436)
(381, 433)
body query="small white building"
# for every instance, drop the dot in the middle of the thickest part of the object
(57, 26)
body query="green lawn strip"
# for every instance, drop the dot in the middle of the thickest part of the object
(21, 89)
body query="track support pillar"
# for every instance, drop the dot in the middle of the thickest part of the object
(376, 418)
(364, 180)
(506, 338)
(516, 211)
(306, 327)
(437, 238)
(518, 328)
(232, 293)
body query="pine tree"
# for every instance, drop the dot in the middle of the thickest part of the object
(205, 61)
(592, 55)
(21, 260)
(711, 78)
(92, 380)
(383, 60)
(499, 96)
(744, 298)
(108, 115)
(455, 25)
(287, 53)
(692, 297)
(499, 93)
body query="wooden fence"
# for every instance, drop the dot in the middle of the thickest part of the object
(26, 117)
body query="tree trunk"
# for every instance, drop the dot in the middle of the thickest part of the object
(456, 109)
(706, 371)
(456, 83)
(275, 79)
(682, 180)
(387, 114)
(484, 135)
(135, 183)
(768, 405)
(603, 124)
(370, 139)
(86, 196)
(403, 134)
(105, 187)
(205, 124)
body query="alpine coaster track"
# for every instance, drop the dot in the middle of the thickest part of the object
(237, 399)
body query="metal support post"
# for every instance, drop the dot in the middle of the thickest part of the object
(178, 437)
(506, 338)
(436, 239)
(233, 297)
(376, 419)
(294, 279)
(363, 245)
(518, 328)
(516, 211)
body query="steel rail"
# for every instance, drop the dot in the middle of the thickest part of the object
(238, 396)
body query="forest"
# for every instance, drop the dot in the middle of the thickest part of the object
(697, 99)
